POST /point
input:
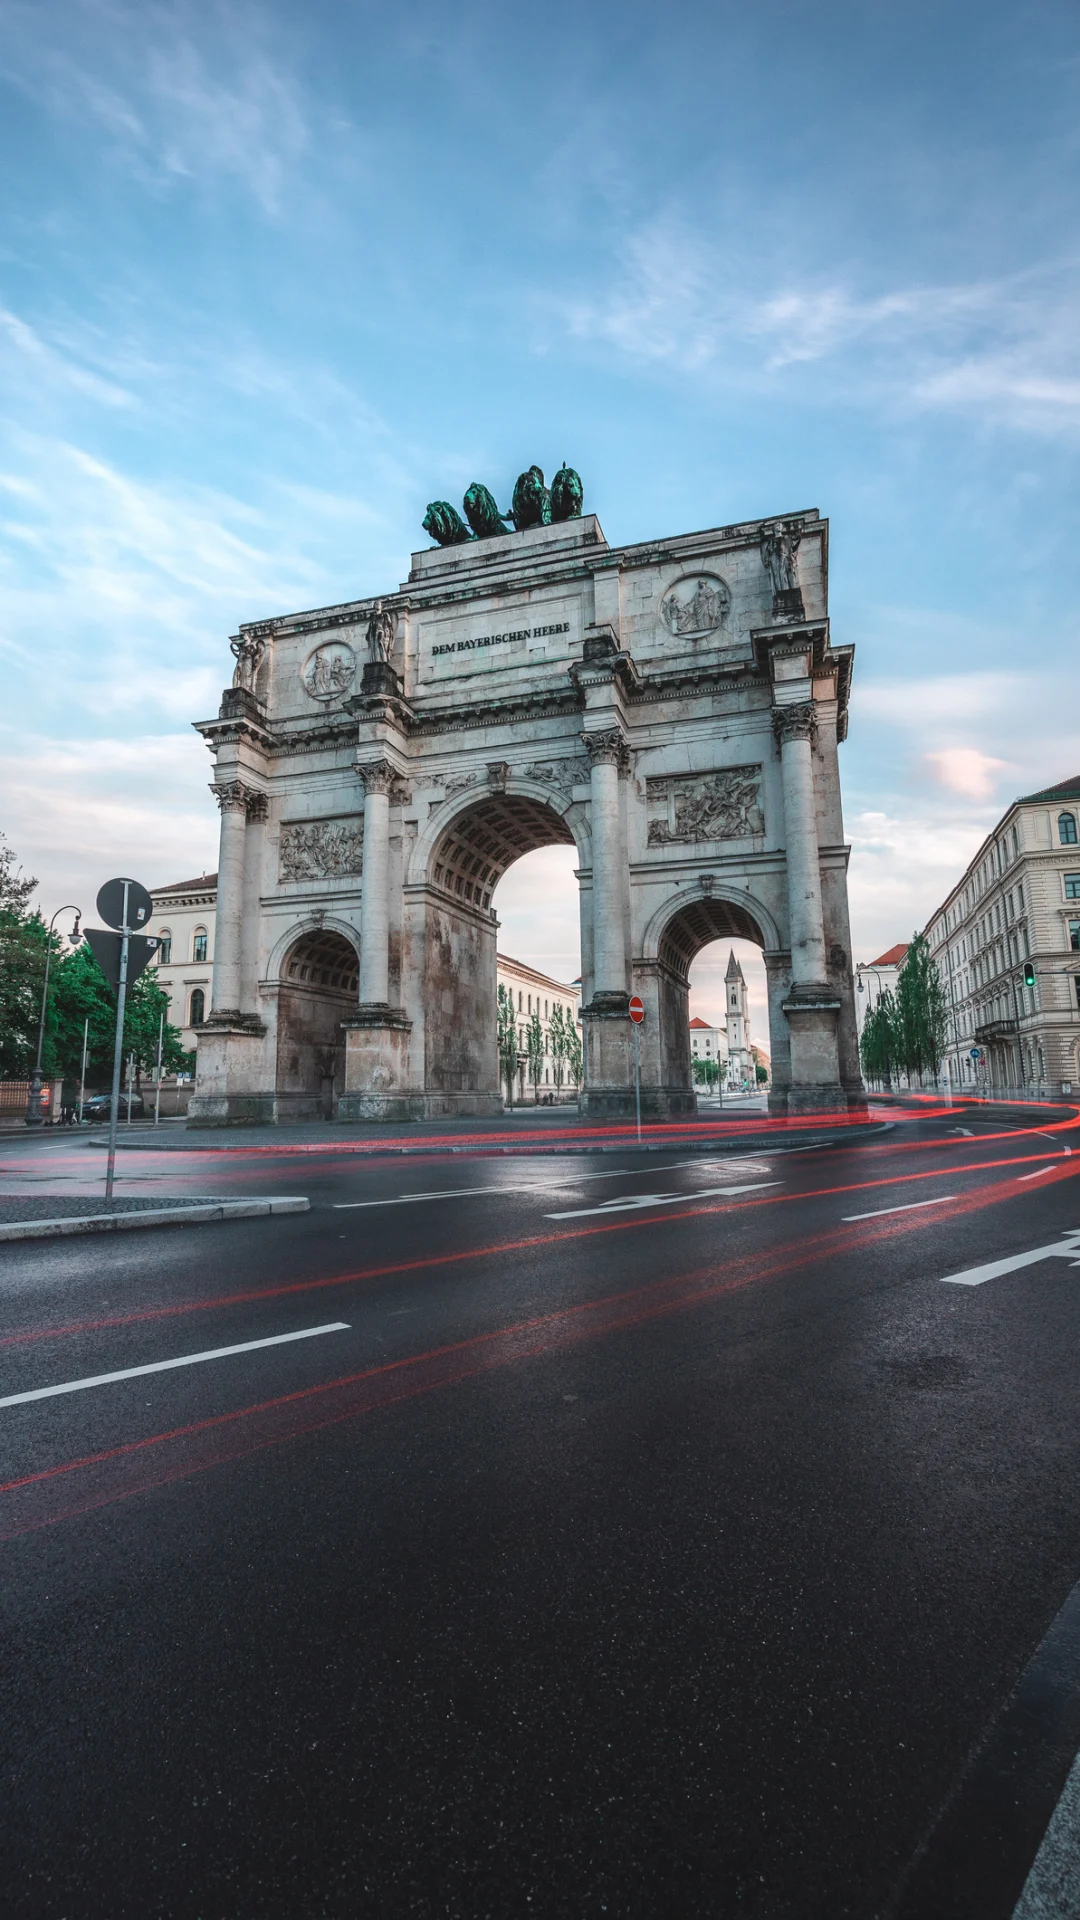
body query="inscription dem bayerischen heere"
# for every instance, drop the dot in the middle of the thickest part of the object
(499, 639)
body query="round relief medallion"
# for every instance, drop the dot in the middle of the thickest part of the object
(695, 605)
(328, 672)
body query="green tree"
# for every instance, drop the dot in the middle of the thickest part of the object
(81, 992)
(24, 942)
(706, 1073)
(557, 1042)
(535, 1051)
(575, 1064)
(879, 1047)
(507, 1042)
(921, 1011)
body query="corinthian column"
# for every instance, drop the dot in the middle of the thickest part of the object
(378, 777)
(607, 753)
(795, 728)
(235, 801)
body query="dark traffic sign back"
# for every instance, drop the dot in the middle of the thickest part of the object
(110, 904)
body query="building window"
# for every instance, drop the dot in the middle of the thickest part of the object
(197, 1006)
(1067, 829)
(198, 946)
(1074, 935)
(1072, 886)
(165, 949)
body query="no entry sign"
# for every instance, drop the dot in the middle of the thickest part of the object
(637, 1009)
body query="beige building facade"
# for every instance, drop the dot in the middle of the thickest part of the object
(534, 992)
(1017, 908)
(672, 710)
(183, 920)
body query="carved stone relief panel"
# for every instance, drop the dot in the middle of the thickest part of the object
(321, 849)
(563, 775)
(695, 606)
(723, 805)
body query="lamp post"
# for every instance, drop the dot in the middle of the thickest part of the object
(34, 1116)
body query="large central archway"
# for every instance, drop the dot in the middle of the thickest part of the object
(455, 871)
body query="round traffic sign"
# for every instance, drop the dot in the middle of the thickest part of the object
(110, 904)
(637, 1009)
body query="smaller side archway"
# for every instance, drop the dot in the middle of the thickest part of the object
(687, 922)
(319, 982)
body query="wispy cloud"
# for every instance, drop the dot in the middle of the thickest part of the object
(179, 94)
(1004, 348)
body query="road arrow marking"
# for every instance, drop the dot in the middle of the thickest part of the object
(1067, 1249)
(662, 1200)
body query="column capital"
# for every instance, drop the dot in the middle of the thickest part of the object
(377, 776)
(607, 748)
(797, 722)
(235, 796)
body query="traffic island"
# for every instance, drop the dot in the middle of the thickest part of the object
(47, 1219)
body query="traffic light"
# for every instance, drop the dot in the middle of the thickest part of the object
(1029, 973)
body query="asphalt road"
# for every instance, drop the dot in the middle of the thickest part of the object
(622, 1536)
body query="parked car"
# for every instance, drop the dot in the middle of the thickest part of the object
(99, 1104)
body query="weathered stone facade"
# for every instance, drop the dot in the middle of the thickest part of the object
(671, 709)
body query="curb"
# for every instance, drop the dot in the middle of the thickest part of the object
(149, 1217)
(527, 1148)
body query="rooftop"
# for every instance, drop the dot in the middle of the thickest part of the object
(890, 959)
(1065, 790)
(204, 884)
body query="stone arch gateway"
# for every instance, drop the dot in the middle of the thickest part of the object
(672, 710)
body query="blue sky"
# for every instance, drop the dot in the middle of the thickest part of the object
(273, 277)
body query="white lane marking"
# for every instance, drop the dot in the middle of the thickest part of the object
(910, 1207)
(548, 1186)
(966, 1130)
(1066, 1249)
(163, 1366)
(662, 1200)
(1035, 1175)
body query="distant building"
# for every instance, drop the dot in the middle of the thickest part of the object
(183, 919)
(761, 1059)
(1018, 902)
(875, 977)
(737, 1016)
(535, 992)
(709, 1043)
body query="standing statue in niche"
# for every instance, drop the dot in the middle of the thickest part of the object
(381, 632)
(248, 652)
(779, 547)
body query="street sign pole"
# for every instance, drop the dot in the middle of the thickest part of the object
(157, 1096)
(82, 1071)
(118, 1050)
(637, 1015)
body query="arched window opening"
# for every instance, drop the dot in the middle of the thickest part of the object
(198, 946)
(164, 952)
(1067, 829)
(196, 1007)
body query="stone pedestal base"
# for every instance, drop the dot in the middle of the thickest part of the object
(812, 1014)
(607, 1035)
(376, 1066)
(230, 1088)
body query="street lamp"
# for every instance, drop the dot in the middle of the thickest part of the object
(34, 1116)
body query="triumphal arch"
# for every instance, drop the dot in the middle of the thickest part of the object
(670, 709)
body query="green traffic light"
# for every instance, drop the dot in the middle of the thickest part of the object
(1029, 973)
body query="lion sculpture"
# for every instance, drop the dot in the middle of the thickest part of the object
(566, 494)
(445, 524)
(531, 505)
(482, 514)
